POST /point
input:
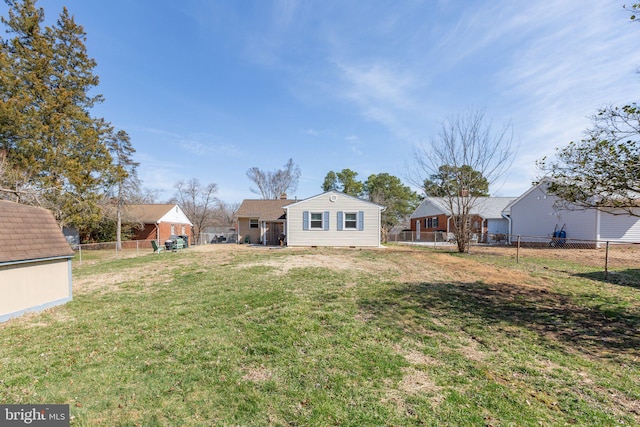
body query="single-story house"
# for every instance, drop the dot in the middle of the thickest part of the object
(333, 219)
(35, 261)
(262, 220)
(159, 221)
(487, 222)
(536, 214)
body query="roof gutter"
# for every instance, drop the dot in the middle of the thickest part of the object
(30, 261)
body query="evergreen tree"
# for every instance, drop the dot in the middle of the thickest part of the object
(48, 133)
(398, 199)
(344, 181)
(451, 180)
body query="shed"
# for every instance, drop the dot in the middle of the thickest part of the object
(35, 261)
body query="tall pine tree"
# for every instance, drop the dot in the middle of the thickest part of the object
(48, 133)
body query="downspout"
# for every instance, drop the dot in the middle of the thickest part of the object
(286, 227)
(508, 218)
(598, 228)
(380, 226)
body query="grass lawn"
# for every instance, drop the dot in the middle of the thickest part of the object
(238, 335)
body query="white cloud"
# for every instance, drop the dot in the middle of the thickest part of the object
(381, 91)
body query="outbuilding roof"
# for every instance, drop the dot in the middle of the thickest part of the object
(29, 233)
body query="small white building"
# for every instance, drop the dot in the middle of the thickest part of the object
(35, 261)
(537, 214)
(333, 219)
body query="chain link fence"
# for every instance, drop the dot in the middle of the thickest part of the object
(87, 252)
(613, 261)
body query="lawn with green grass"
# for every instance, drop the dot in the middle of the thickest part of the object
(236, 335)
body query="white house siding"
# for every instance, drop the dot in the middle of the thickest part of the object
(368, 236)
(175, 215)
(497, 226)
(33, 286)
(623, 228)
(535, 214)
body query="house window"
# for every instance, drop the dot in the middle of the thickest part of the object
(173, 229)
(183, 233)
(316, 220)
(432, 222)
(253, 223)
(350, 220)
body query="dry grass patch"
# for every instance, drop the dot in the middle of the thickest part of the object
(257, 374)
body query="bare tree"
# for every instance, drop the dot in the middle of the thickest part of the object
(122, 178)
(272, 185)
(470, 149)
(224, 214)
(197, 201)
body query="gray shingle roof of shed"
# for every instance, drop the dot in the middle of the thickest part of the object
(29, 233)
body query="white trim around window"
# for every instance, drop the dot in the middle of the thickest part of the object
(315, 221)
(350, 221)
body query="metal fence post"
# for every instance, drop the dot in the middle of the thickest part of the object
(606, 262)
(518, 250)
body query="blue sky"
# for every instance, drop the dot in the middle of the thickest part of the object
(207, 89)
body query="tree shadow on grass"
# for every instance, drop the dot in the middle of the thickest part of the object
(552, 315)
(629, 277)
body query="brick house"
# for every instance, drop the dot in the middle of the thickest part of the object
(486, 219)
(158, 221)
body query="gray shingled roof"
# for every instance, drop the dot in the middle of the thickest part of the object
(29, 233)
(265, 210)
(486, 207)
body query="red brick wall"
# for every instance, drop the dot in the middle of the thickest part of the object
(442, 224)
(149, 232)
